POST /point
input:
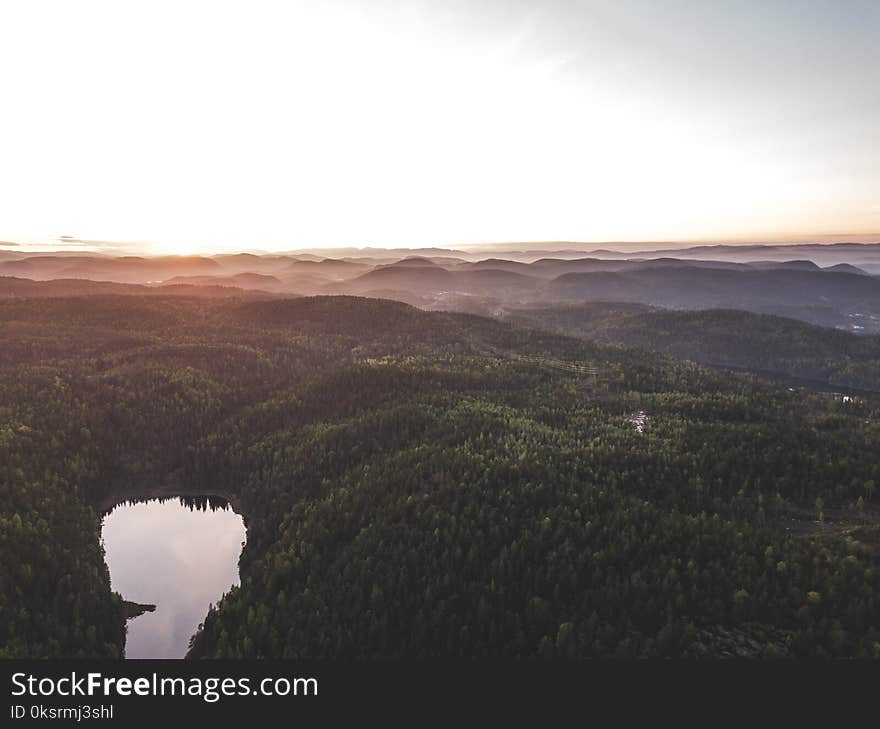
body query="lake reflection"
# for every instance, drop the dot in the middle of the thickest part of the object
(174, 556)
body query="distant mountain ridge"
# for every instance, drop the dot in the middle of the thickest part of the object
(781, 280)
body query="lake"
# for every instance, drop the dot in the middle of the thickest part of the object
(181, 555)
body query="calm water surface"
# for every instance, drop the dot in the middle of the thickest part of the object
(180, 555)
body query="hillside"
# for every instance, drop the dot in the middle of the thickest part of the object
(123, 269)
(765, 344)
(248, 280)
(813, 295)
(12, 287)
(429, 484)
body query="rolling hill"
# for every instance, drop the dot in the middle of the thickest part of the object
(429, 484)
(769, 345)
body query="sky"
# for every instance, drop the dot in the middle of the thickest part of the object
(184, 127)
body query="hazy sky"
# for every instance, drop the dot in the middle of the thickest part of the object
(215, 125)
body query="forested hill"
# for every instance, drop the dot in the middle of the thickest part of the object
(430, 484)
(739, 339)
(23, 288)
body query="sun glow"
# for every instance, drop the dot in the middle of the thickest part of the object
(213, 126)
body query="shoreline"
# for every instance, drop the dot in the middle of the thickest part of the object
(163, 491)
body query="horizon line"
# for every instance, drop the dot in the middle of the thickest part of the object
(70, 244)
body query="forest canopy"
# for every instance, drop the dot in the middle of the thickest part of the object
(430, 484)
